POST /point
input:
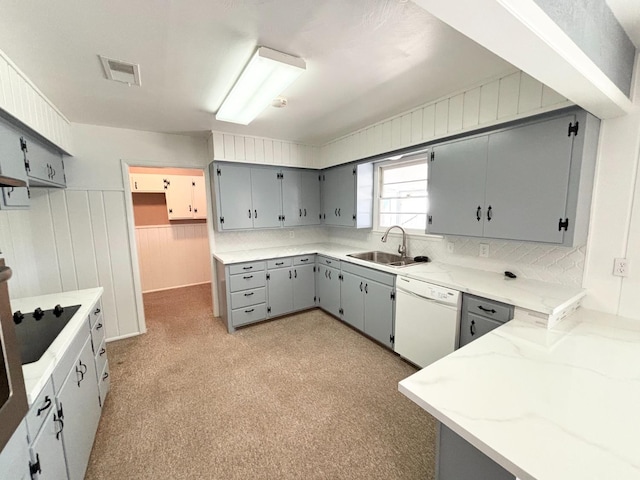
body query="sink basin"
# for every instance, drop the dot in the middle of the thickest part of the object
(384, 258)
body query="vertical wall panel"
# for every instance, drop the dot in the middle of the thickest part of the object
(268, 151)
(229, 147)
(277, 152)
(361, 145)
(386, 136)
(82, 238)
(396, 132)
(489, 102)
(428, 122)
(551, 97)
(260, 158)
(508, 95)
(44, 242)
(63, 239)
(455, 113)
(442, 120)
(405, 137)
(250, 149)
(471, 108)
(238, 145)
(4, 85)
(121, 262)
(416, 126)
(218, 146)
(378, 144)
(286, 153)
(530, 96)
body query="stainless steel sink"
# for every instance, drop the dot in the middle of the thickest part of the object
(384, 258)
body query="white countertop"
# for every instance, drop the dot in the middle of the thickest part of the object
(533, 295)
(37, 373)
(545, 404)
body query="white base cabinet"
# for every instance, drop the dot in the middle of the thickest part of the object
(47, 452)
(14, 458)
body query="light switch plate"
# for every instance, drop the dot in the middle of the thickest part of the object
(621, 267)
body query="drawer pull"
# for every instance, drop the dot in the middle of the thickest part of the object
(47, 404)
(99, 326)
(247, 277)
(59, 420)
(279, 263)
(250, 310)
(487, 310)
(105, 375)
(102, 351)
(247, 268)
(472, 327)
(304, 259)
(96, 311)
(248, 294)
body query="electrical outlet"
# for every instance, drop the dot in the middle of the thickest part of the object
(484, 250)
(292, 234)
(450, 247)
(621, 267)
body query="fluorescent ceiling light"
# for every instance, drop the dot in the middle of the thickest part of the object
(266, 76)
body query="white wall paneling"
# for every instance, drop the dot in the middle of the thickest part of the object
(510, 97)
(173, 256)
(23, 101)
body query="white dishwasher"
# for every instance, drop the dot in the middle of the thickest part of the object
(427, 321)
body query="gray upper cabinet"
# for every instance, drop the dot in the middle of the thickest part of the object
(300, 197)
(12, 165)
(44, 165)
(529, 182)
(347, 196)
(456, 187)
(247, 197)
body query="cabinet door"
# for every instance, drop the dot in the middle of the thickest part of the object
(378, 312)
(47, 449)
(310, 197)
(78, 401)
(527, 181)
(473, 326)
(292, 191)
(11, 155)
(352, 297)
(456, 187)
(330, 195)
(329, 290)
(233, 183)
(266, 194)
(199, 195)
(346, 196)
(14, 457)
(15, 196)
(304, 287)
(147, 182)
(44, 164)
(280, 292)
(178, 194)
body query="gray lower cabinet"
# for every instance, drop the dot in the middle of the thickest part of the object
(280, 288)
(329, 289)
(304, 286)
(47, 451)
(290, 285)
(368, 301)
(459, 460)
(79, 408)
(480, 315)
(529, 181)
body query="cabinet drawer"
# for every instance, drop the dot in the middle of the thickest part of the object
(369, 273)
(489, 308)
(246, 281)
(104, 382)
(246, 267)
(39, 410)
(474, 326)
(97, 334)
(304, 259)
(279, 263)
(242, 316)
(332, 262)
(96, 312)
(101, 356)
(65, 365)
(248, 297)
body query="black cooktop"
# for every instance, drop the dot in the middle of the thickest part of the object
(38, 329)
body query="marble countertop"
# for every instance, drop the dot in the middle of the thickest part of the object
(544, 404)
(37, 373)
(533, 295)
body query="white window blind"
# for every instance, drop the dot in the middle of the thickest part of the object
(402, 195)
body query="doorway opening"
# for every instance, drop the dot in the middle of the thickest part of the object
(171, 234)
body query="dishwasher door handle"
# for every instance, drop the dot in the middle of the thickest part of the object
(432, 300)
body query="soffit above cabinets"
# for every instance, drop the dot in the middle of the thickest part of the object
(366, 60)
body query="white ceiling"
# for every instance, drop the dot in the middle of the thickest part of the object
(366, 60)
(628, 14)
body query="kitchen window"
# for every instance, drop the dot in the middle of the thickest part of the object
(402, 195)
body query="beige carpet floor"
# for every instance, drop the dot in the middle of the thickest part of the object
(301, 397)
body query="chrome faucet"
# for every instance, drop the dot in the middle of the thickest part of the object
(402, 249)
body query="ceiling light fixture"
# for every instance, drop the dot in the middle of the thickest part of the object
(266, 76)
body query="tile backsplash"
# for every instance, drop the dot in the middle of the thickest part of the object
(537, 261)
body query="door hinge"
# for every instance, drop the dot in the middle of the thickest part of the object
(392, 338)
(268, 309)
(573, 129)
(340, 277)
(354, 217)
(563, 224)
(268, 276)
(314, 299)
(319, 216)
(279, 176)
(193, 184)
(355, 170)
(430, 219)
(393, 295)
(23, 144)
(166, 183)
(314, 269)
(221, 219)
(319, 178)
(433, 155)
(341, 311)
(27, 165)
(218, 172)
(35, 467)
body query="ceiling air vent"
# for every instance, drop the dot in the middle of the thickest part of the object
(118, 71)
